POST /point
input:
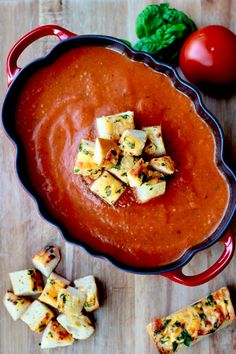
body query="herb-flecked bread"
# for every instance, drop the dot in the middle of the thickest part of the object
(192, 323)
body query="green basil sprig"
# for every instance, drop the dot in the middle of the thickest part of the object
(162, 30)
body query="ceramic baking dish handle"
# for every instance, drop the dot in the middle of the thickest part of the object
(193, 280)
(30, 37)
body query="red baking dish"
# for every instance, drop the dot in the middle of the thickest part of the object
(16, 79)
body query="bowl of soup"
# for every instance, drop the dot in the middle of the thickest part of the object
(52, 104)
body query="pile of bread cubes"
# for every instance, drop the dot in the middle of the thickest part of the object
(123, 156)
(68, 320)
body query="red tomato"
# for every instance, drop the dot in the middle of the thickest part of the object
(209, 56)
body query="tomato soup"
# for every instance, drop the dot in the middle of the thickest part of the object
(57, 108)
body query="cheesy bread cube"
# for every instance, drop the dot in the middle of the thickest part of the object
(37, 316)
(151, 189)
(155, 144)
(46, 260)
(192, 323)
(52, 288)
(55, 336)
(125, 164)
(106, 153)
(15, 305)
(108, 188)
(79, 327)
(26, 282)
(163, 164)
(88, 286)
(138, 174)
(70, 301)
(112, 127)
(132, 142)
(84, 164)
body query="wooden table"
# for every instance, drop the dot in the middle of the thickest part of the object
(129, 301)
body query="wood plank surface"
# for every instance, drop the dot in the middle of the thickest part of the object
(128, 301)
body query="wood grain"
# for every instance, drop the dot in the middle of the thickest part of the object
(129, 301)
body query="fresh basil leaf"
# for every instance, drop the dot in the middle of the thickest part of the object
(163, 37)
(162, 31)
(150, 19)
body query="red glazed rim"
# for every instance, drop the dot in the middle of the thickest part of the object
(176, 273)
(178, 276)
(30, 37)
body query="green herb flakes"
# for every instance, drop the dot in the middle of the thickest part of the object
(174, 346)
(108, 191)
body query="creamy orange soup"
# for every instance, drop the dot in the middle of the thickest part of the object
(57, 108)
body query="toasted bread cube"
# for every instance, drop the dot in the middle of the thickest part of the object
(15, 305)
(132, 142)
(106, 153)
(26, 282)
(88, 286)
(55, 336)
(52, 288)
(79, 327)
(122, 167)
(151, 189)
(138, 174)
(37, 316)
(84, 164)
(46, 260)
(155, 144)
(70, 301)
(163, 164)
(112, 127)
(108, 188)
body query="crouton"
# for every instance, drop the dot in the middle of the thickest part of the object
(132, 142)
(46, 260)
(55, 336)
(151, 189)
(84, 164)
(52, 288)
(155, 144)
(79, 327)
(112, 127)
(163, 164)
(106, 153)
(15, 305)
(37, 316)
(88, 286)
(108, 188)
(138, 174)
(26, 282)
(125, 164)
(70, 301)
